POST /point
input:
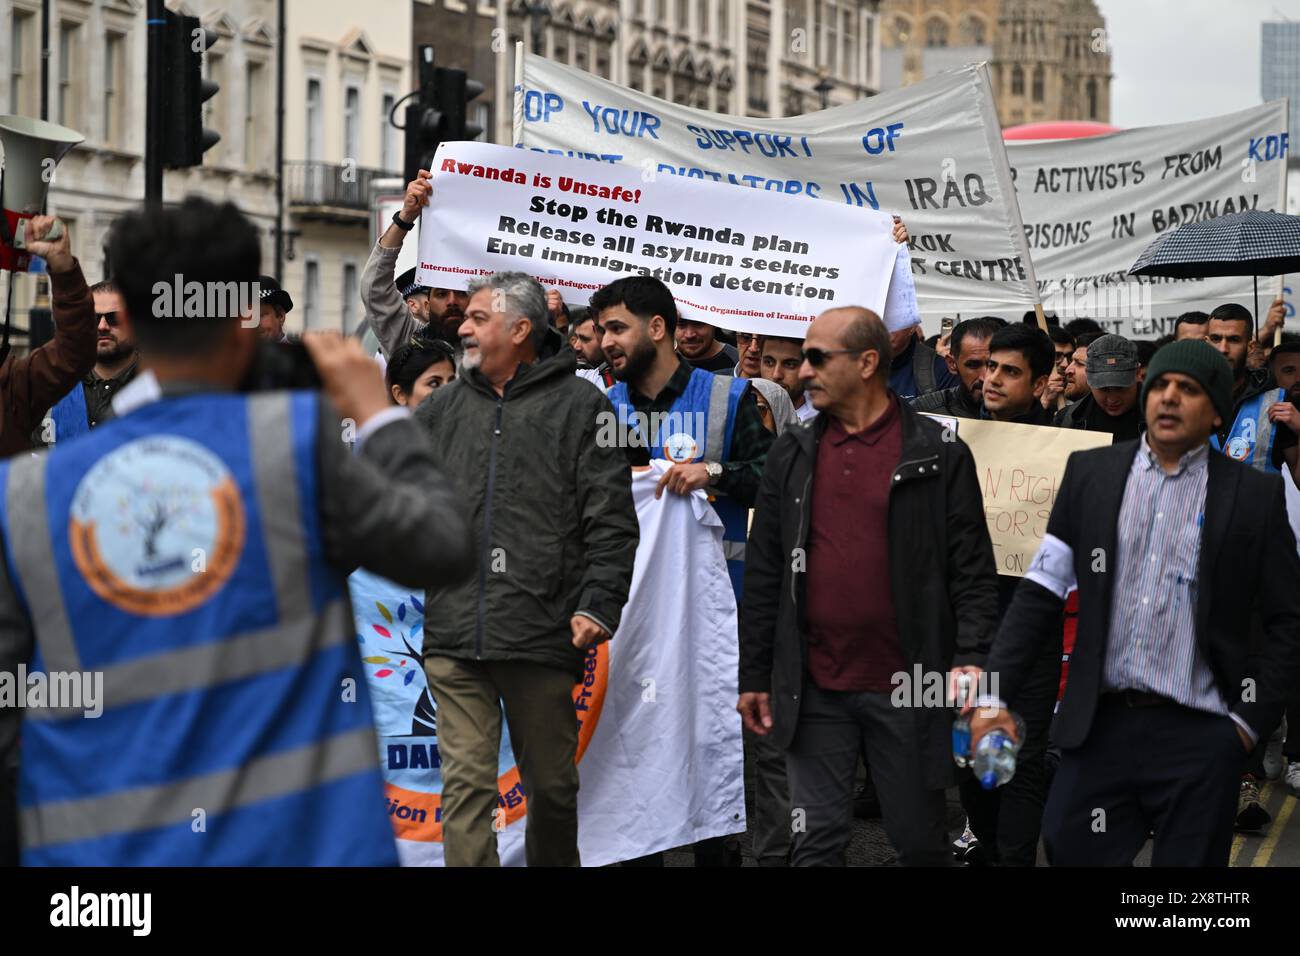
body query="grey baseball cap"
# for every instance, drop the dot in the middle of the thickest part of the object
(1112, 362)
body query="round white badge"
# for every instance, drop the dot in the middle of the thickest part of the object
(680, 448)
(157, 526)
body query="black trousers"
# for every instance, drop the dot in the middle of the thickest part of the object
(1165, 769)
(1291, 747)
(1007, 821)
(821, 764)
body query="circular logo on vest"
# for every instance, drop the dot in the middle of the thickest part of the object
(1239, 449)
(157, 526)
(680, 447)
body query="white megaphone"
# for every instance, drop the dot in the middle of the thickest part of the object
(32, 148)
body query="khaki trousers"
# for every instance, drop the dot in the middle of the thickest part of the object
(538, 703)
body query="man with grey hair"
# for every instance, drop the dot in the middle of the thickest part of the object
(556, 535)
(831, 643)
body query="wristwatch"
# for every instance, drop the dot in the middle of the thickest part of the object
(713, 470)
(401, 223)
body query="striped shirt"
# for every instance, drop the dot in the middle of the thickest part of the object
(1152, 641)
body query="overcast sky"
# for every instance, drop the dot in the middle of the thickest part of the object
(1180, 60)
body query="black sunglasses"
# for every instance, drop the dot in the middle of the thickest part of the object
(817, 357)
(109, 317)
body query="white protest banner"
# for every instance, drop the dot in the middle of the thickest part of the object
(1019, 469)
(931, 153)
(1091, 206)
(767, 265)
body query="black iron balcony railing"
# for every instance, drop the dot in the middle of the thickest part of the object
(330, 185)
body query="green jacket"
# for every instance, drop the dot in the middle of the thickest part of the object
(550, 511)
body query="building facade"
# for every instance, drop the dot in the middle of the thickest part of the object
(1048, 59)
(345, 67)
(762, 58)
(1280, 77)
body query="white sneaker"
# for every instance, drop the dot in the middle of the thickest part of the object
(1292, 777)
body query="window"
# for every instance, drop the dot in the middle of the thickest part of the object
(214, 110)
(936, 32)
(350, 296)
(561, 47)
(314, 133)
(581, 51)
(602, 60)
(21, 72)
(976, 32)
(1092, 99)
(114, 92)
(1017, 81)
(69, 65)
(723, 7)
(482, 119)
(352, 124)
(1038, 83)
(387, 144)
(702, 19)
(902, 30)
(831, 54)
(683, 22)
(253, 93)
(311, 295)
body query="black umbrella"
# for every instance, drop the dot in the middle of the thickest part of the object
(1251, 243)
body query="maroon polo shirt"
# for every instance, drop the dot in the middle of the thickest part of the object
(853, 640)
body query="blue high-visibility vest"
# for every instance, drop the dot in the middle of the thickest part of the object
(1250, 440)
(70, 415)
(699, 426)
(177, 553)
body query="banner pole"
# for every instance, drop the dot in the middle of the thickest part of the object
(1042, 319)
(1281, 280)
(517, 132)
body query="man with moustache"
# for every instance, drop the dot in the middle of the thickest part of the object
(397, 309)
(1169, 688)
(968, 358)
(823, 636)
(519, 434)
(116, 363)
(1076, 370)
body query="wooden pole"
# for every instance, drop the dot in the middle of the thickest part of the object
(1042, 319)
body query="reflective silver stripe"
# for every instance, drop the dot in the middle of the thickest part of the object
(714, 448)
(733, 550)
(207, 665)
(144, 808)
(1262, 453)
(33, 553)
(275, 475)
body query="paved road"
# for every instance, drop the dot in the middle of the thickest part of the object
(1278, 845)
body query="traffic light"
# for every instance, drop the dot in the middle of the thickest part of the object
(184, 140)
(439, 115)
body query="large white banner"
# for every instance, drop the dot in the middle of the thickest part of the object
(1090, 206)
(767, 265)
(931, 152)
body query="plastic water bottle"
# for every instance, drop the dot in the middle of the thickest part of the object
(994, 761)
(961, 755)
